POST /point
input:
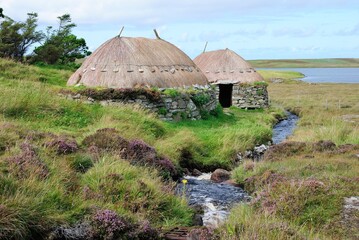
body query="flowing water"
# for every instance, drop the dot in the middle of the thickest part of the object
(284, 128)
(216, 199)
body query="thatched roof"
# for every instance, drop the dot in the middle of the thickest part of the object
(226, 66)
(124, 62)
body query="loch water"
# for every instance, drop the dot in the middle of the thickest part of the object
(324, 75)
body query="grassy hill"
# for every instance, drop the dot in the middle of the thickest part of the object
(307, 63)
(63, 162)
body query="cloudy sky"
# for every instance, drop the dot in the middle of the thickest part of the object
(256, 29)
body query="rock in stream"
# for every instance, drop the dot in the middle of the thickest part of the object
(216, 199)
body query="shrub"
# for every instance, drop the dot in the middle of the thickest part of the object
(323, 146)
(282, 150)
(81, 162)
(162, 111)
(260, 83)
(140, 152)
(204, 114)
(106, 139)
(27, 163)
(63, 145)
(200, 99)
(167, 167)
(303, 201)
(146, 232)
(172, 92)
(260, 92)
(218, 111)
(106, 224)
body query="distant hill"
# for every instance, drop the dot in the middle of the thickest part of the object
(307, 63)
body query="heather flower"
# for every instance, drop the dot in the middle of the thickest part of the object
(166, 165)
(146, 232)
(140, 152)
(27, 162)
(106, 139)
(107, 224)
(94, 152)
(63, 145)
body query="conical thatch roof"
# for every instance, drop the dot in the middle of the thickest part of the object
(124, 62)
(226, 66)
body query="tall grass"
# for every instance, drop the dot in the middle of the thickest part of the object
(245, 223)
(327, 111)
(76, 184)
(10, 70)
(134, 189)
(220, 138)
(301, 192)
(36, 105)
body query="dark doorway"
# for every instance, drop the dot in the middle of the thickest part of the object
(225, 95)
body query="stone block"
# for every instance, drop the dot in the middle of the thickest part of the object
(181, 103)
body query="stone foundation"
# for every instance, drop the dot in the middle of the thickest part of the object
(176, 105)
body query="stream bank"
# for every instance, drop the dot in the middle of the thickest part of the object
(216, 199)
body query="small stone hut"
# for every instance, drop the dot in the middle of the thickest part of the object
(142, 63)
(238, 83)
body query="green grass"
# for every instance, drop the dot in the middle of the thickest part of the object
(220, 138)
(327, 111)
(303, 191)
(281, 76)
(307, 63)
(245, 223)
(78, 183)
(31, 110)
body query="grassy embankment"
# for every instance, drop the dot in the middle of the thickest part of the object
(299, 188)
(49, 176)
(299, 191)
(307, 63)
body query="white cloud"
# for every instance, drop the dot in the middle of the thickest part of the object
(225, 23)
(155, 12)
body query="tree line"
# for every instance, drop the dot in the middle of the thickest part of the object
(58, 45)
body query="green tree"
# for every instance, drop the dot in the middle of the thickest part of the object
(61, 46)
(17, 37)
(1, 14)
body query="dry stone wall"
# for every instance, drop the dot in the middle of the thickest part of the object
(249, 96)
(179, 104)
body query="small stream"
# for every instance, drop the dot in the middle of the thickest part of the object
(216, 199)
(284, 128)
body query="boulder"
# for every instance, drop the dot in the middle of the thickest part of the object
(196, 172)
(220, 175)
(232, 183)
